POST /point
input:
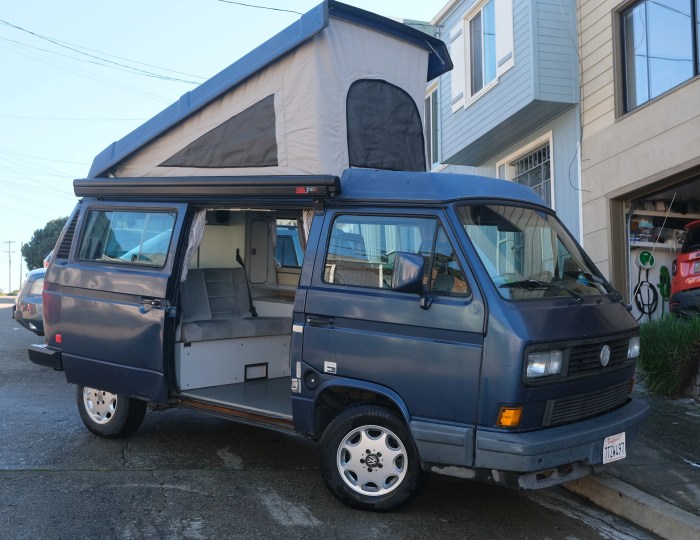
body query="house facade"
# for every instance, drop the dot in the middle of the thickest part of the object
(640, 146)
(509, 107)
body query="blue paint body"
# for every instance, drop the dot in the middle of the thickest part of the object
(446, 370)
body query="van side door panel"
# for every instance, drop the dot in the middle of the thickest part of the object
(429, 357)
(114, 293)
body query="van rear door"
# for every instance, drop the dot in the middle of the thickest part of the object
(116, 291)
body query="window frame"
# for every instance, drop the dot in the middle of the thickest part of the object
(546, 139)
(136, 210)
(620, 79)
(432, 126)
(460, 51)
(439, 225)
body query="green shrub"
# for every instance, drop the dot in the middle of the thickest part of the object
(670, 354)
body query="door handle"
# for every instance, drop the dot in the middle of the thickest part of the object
(315, 320)
(151, 302)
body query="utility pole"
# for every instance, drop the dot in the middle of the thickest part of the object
(9, 260)
(21, 244)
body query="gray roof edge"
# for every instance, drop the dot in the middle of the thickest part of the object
(310, 24)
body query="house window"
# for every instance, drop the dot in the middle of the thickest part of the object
(481, 47)
(534, 170)
(432, 132)
(658, 47)
(531, 166)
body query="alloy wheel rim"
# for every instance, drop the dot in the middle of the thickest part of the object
(99, 405)
(372, 460)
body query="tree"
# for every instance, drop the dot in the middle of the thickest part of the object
(42, 242)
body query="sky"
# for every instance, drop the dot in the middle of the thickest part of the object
(77, 75)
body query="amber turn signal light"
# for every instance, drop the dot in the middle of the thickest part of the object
(509, 417)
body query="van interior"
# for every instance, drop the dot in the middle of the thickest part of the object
(232, 343)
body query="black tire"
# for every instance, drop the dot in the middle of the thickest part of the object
(384, 472)
(109, 415)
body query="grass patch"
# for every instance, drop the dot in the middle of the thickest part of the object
(670, 354)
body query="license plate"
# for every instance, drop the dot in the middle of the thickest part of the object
(614, 448)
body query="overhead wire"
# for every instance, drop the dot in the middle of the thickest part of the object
(93, 77)
(5, 150)
(256, 6)
(106, 62)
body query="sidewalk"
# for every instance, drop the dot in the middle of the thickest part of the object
(658, 485)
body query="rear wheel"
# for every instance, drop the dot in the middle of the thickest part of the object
(368, 459)
(109, 415)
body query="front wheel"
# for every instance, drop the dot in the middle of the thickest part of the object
(368, 459)
(109, 415)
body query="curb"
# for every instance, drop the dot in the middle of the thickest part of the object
(642, 509)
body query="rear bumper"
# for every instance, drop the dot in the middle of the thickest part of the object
(685, 302)
(43, 355)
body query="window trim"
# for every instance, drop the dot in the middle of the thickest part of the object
(320, 270)
(547, 138)
(433, 93)
(461, 30)
(619, 62)
(134, 209)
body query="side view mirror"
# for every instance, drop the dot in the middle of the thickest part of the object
(408, 276)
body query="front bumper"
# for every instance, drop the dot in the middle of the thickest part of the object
(530, 460)
(550, 448)
(43, 355)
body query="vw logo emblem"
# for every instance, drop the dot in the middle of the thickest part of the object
(604, 355)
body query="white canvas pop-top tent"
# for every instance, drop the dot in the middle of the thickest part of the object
(339, 88)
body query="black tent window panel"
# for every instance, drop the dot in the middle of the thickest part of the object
(245, 140)
(384, 127)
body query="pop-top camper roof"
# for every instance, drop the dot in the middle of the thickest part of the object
(338, 88)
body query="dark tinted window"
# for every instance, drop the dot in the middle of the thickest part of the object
(385, 130)
(692, 239)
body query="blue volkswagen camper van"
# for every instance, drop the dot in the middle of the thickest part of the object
(439, 322)
(425, 322)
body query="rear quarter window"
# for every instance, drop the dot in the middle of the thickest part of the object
(127, 237)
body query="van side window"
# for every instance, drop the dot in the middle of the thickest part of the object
(288, 251)
(447, 276)
(361, 249)
(127, 237)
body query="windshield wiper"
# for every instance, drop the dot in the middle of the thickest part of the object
(595, 279)
(533, 284)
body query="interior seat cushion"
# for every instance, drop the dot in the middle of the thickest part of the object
(235, 327)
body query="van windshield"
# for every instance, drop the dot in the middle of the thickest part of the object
(528, 254)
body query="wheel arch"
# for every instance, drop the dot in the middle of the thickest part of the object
(337, 395)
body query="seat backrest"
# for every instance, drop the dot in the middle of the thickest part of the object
(194, 297)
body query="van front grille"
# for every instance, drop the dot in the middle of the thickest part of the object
(584, 358)
(575, 408)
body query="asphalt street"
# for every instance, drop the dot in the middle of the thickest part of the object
(186, 475)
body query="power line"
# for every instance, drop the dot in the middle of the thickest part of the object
(260, 7)
(93, 77)
(66, 119)
(40, 158)
(104, 61)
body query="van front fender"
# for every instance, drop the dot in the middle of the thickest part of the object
(313, 413)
